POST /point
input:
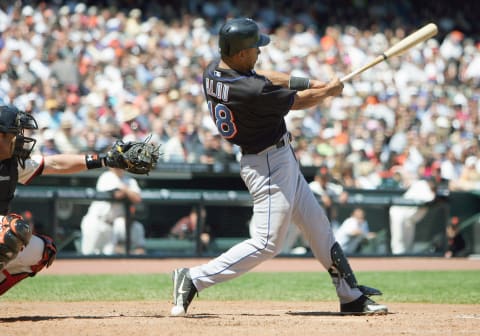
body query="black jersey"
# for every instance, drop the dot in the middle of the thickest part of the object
(8, 183)
(247, 108)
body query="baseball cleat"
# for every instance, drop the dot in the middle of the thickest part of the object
(363, 305)
(183, 291)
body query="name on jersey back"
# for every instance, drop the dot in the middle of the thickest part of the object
(218, 90)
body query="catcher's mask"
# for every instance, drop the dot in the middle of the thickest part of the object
(239, 34)
(14, 121)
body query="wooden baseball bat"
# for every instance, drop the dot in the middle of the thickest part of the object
(398, 48)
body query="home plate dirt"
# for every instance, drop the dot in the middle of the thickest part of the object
(236, 317)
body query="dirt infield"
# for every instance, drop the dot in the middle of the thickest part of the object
(233, 318)
(237, 318)
(126, 266)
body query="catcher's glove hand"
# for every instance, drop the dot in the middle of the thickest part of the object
(134, 157)
(15, 234)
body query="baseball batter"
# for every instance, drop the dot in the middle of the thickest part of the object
(248, 108)
(24, 253)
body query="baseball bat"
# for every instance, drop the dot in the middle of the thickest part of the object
(398, 48)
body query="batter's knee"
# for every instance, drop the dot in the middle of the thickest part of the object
(266, 248)
(273, 249)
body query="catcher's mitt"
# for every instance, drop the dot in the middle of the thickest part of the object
(15, 234)
(134, 157)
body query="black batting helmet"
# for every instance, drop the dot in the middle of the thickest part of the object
(240, 34)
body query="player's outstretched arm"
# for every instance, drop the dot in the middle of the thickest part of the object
(64, 164)
(314, 96)
(134, 157)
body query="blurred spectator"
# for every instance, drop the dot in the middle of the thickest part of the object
(330, 192)
(175, 149)
(404, 218)
(108, 134)
(51, 115)
(131, 128)
(354, 232)
(104, 225)
(392, 179)
(469, 178)
(159, 136)
(450, 166)
(213, 151)
(49, 147)
(186, 227)
(64, 68)
(66, 140)
(90, 61)
(368, 176)
(455, 242)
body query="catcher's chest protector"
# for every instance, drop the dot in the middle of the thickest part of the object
(8, 183)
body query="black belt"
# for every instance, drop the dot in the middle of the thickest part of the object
(285, 140)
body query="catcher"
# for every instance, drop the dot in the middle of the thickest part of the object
(24, 253)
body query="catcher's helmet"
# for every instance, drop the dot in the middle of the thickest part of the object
(14, 121)
(8, 120)
(240, 34)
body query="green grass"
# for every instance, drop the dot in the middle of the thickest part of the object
(399, 286)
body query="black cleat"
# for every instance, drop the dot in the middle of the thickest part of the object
(363, 305)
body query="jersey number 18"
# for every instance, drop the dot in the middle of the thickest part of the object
(224, 120)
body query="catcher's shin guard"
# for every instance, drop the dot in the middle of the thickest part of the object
(48, 256)
(11, 280)
(340, 268)
(46, 259)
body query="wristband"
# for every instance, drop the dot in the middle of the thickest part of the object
(298, 83)
(93, 161)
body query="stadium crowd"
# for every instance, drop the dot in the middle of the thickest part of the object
(90, 73)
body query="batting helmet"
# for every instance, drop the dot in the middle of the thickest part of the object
(240, 34)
